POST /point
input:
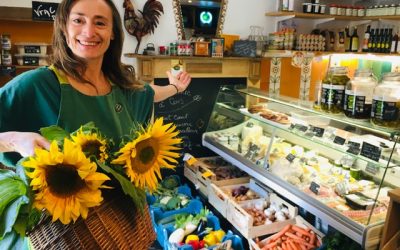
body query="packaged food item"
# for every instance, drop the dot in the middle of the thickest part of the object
(358, 94)
(386, 101)
(332, 91)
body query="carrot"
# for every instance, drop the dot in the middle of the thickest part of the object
(292, 245)
(293, 236)
(299, 234)
(303, 247)
(270, 245)
(284, 247)
(305, 243)
(300, 230)
(282, 232)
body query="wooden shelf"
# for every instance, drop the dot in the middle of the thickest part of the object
(325, 16)
(139, 56)
(289, 53)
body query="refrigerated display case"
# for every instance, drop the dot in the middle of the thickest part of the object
(337, 168)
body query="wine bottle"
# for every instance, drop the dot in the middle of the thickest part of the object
(354, 40)
(366, 39)
(388, 42)
(347, 40)
(371, 41)
(395, 43)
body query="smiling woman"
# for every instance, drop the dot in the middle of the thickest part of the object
(199, 18)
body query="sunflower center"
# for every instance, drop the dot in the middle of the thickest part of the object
(147, 151)
(92, 148)
(64, 180)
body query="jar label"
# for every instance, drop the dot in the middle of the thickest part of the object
(355, 106)
(385, 111)
(332, 94)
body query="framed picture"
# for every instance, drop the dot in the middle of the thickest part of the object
(217, 47)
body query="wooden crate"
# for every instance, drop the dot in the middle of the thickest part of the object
(219, 197)
(206, 176)
(243, 221)
(190, 169)
(298, 221)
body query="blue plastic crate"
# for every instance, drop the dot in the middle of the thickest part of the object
(184, 189)
(194, 207)
(212, 221)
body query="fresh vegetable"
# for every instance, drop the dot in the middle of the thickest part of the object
(291, 237)
(197, 244)
(191, 237)
(177, 236)
(190, 223)
(210, 239)
(170, 182)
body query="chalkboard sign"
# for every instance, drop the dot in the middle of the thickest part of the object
(339, 140)
(319, 132)
(290, 157)
(190, 111)
(44, 11)
(314, 187)
(371, 151)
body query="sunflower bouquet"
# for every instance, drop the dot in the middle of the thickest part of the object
(66, 181)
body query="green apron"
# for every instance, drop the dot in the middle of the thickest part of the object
(109, 112)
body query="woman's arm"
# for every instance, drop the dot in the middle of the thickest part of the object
(22, 142)
(177, 84)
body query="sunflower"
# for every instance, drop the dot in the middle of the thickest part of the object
(150, 151)
(66, 183)
(92, 144)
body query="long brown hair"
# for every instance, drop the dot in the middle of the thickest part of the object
(63, 58)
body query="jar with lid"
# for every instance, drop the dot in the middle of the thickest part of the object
(339, 10)
(358, 95)
(398, 10)
(392, 10)
(333, 9)
(349, 10)
(332, 91)
(361, 11)
(386, 101)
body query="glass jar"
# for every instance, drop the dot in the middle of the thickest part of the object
(339, 10)
(349, 10)
(322, 8)
(386, 101)
(333, 9)
(361, 11)
(358, 95)
(332, 91)
(392, 10)
(398, 10)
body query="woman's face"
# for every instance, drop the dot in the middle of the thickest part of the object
(89, 29)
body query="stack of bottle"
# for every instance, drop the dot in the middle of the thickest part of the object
(6, 57)
(380, 40)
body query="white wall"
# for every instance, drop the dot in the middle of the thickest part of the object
(241, 14)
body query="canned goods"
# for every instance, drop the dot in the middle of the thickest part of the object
(6, 57)
(6, 41)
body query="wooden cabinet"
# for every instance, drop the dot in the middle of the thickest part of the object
(151, 67)
(391, 232)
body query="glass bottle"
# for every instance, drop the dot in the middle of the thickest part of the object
(386, 101)
(333, 88)
(358, 95)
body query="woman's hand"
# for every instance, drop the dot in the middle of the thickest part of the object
(22, 142)
(181, 81)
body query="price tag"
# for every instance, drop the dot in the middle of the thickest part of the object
(353, 150)
(319, 132)
(291, 126)
(372, 168)
(301, 127)
(314, 187)
(207, 174)
(189, 159)
(290, 157)
(339, 140)
(371, 151)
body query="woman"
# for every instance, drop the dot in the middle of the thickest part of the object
(86, 82)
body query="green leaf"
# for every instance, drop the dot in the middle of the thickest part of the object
(138, 196)
(6, 174)
(54, 133)
(10, 189)
(10, 215)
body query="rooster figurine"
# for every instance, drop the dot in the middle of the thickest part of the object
(139, 26)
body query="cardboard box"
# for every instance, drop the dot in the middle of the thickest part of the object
(201, 49)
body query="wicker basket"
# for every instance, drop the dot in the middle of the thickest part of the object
(115, 224)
